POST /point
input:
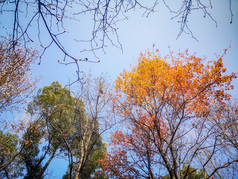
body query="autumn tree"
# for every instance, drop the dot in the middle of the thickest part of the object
(15, 81)
(167, 104)
(15, 86)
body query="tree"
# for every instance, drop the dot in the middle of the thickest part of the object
(29, 156)
(15, 86)
(52, 17)
(65, 129)
(136, 155)
(15, 82)
(166, 103)
(52, 110)
(88, 146)
(225, 122)
(10, 166)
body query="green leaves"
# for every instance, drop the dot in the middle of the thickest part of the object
(9, 165)
(188, 172)
(61, 124)
(8, 143)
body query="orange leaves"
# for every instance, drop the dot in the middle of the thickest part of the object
(117, 165)
(117, 137)
(132, 151)
(146, 76)
(186, 79)
(162, 100)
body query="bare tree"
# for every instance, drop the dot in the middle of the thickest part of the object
(95, 93)
(224, 122)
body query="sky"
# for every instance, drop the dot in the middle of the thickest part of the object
(138, 34)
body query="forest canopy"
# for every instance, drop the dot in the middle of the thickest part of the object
(167, 117)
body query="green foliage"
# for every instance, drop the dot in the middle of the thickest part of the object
(30, 156)
(62, 126)
(8, 143)
(55, 107)
(8, 152)
(52, 109)
(189, 173)
(52, 102)
(92, 164)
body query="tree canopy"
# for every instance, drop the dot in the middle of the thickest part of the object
(15, 80)
(62, 122)
(59, 126)
(168, 117)
(10, 165)
(167, 105)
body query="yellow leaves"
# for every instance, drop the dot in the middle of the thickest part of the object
(187, 79)
(223, 70)
(146, 77)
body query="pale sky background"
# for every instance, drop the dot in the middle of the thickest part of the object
(138, 34)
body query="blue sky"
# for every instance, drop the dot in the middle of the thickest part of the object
(138, 34)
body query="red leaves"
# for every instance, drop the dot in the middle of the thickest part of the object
(155, 98)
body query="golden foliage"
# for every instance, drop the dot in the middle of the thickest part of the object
(185, 80)
(157, 98)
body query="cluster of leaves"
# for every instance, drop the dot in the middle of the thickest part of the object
(60, 127)
(192, 173)
(15, 82)
(168, 104)
(187, 80)
(62, 122)
(9, 165)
